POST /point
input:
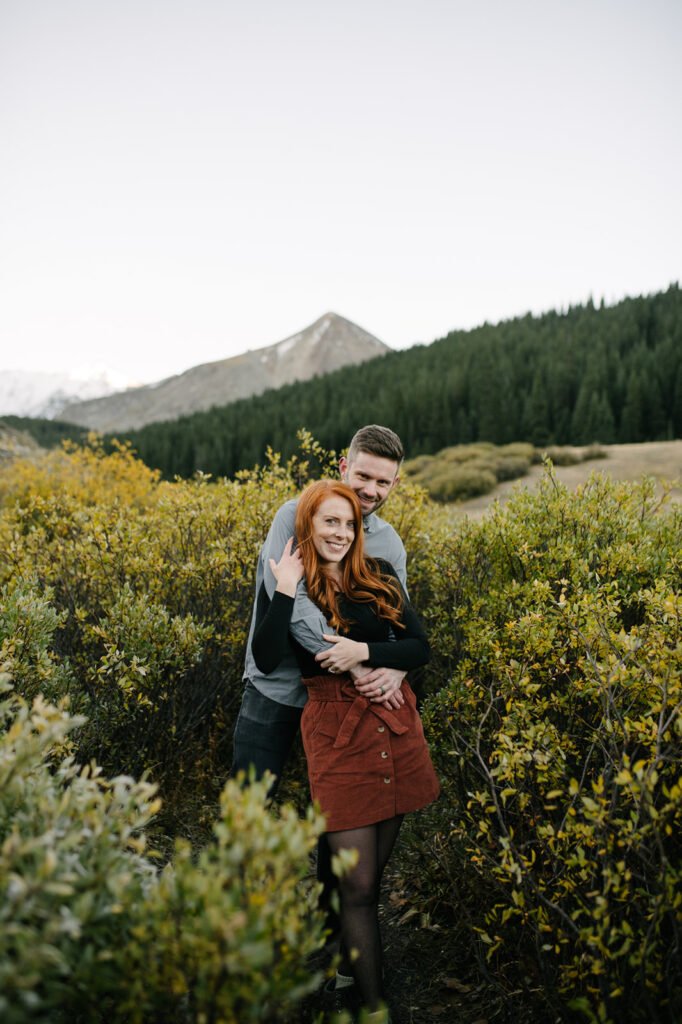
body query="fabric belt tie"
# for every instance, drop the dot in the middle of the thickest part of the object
(322, 688)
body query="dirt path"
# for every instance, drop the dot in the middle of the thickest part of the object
(430, 974)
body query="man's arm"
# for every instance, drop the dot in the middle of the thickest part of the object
(390, 547)
(308, 623)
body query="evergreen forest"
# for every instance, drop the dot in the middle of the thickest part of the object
(611, 374)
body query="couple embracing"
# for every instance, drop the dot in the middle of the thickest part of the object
(332, 637)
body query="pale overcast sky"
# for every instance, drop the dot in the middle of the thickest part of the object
(182, 181)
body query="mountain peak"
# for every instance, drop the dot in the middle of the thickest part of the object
(328, 344)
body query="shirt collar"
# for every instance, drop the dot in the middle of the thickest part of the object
(369, 522)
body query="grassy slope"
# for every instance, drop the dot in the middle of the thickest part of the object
(661, 459)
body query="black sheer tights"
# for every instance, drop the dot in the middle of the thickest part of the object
(359, 898)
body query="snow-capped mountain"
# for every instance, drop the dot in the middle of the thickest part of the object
(45, 395)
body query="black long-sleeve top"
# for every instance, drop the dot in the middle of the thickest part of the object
(408, 650)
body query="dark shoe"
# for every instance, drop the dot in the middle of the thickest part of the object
(338, 999)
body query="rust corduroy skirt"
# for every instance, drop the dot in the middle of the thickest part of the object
(365, 764)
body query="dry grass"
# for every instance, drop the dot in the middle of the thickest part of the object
(660, 459)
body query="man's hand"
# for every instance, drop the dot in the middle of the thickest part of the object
(381, 686)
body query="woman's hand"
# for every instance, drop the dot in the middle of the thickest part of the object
(344, 655)
(289, 570)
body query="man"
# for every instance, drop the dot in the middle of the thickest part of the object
(272, 705)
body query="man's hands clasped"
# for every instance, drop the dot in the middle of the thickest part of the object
(381, 686)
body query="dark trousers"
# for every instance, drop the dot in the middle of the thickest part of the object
(263, 738)
(264, 735)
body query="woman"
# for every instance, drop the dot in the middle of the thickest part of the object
(368, 762)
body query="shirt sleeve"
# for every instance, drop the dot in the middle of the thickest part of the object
(382, 541)
(398, 559)
(271, 635)
(308, 623)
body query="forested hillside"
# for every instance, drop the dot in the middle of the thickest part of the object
(612, 374)
(48, 433)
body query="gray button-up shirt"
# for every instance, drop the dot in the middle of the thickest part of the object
(307, 622)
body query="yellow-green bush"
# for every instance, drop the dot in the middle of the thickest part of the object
(87, 473)
(569, 455)
(460, 483)
(28, 622)
(152, 606)
(91, 931)
(228, 934)
(558, 734)
(72, 869)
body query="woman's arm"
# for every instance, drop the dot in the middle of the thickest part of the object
(409, 648)
(270, 638)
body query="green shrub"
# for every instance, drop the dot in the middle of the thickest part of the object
(465, 471)
(561, 455)
(511, 467)
(593, 451)
(567, 455)
(461, 483)
(152, 609)
(227, 935)
(72, 870)
(518, 449)
(28, 622)
(460, 453)
(413, 467)
(140, 681)
(90, 931)
(558, 736)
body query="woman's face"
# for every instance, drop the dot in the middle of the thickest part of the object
(333, 529)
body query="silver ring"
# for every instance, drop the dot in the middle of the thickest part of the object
(382, 691)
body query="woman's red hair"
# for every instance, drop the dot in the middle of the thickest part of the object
(360, 581)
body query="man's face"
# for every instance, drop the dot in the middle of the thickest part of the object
(371, 477)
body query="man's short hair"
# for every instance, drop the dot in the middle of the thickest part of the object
(376, 440)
